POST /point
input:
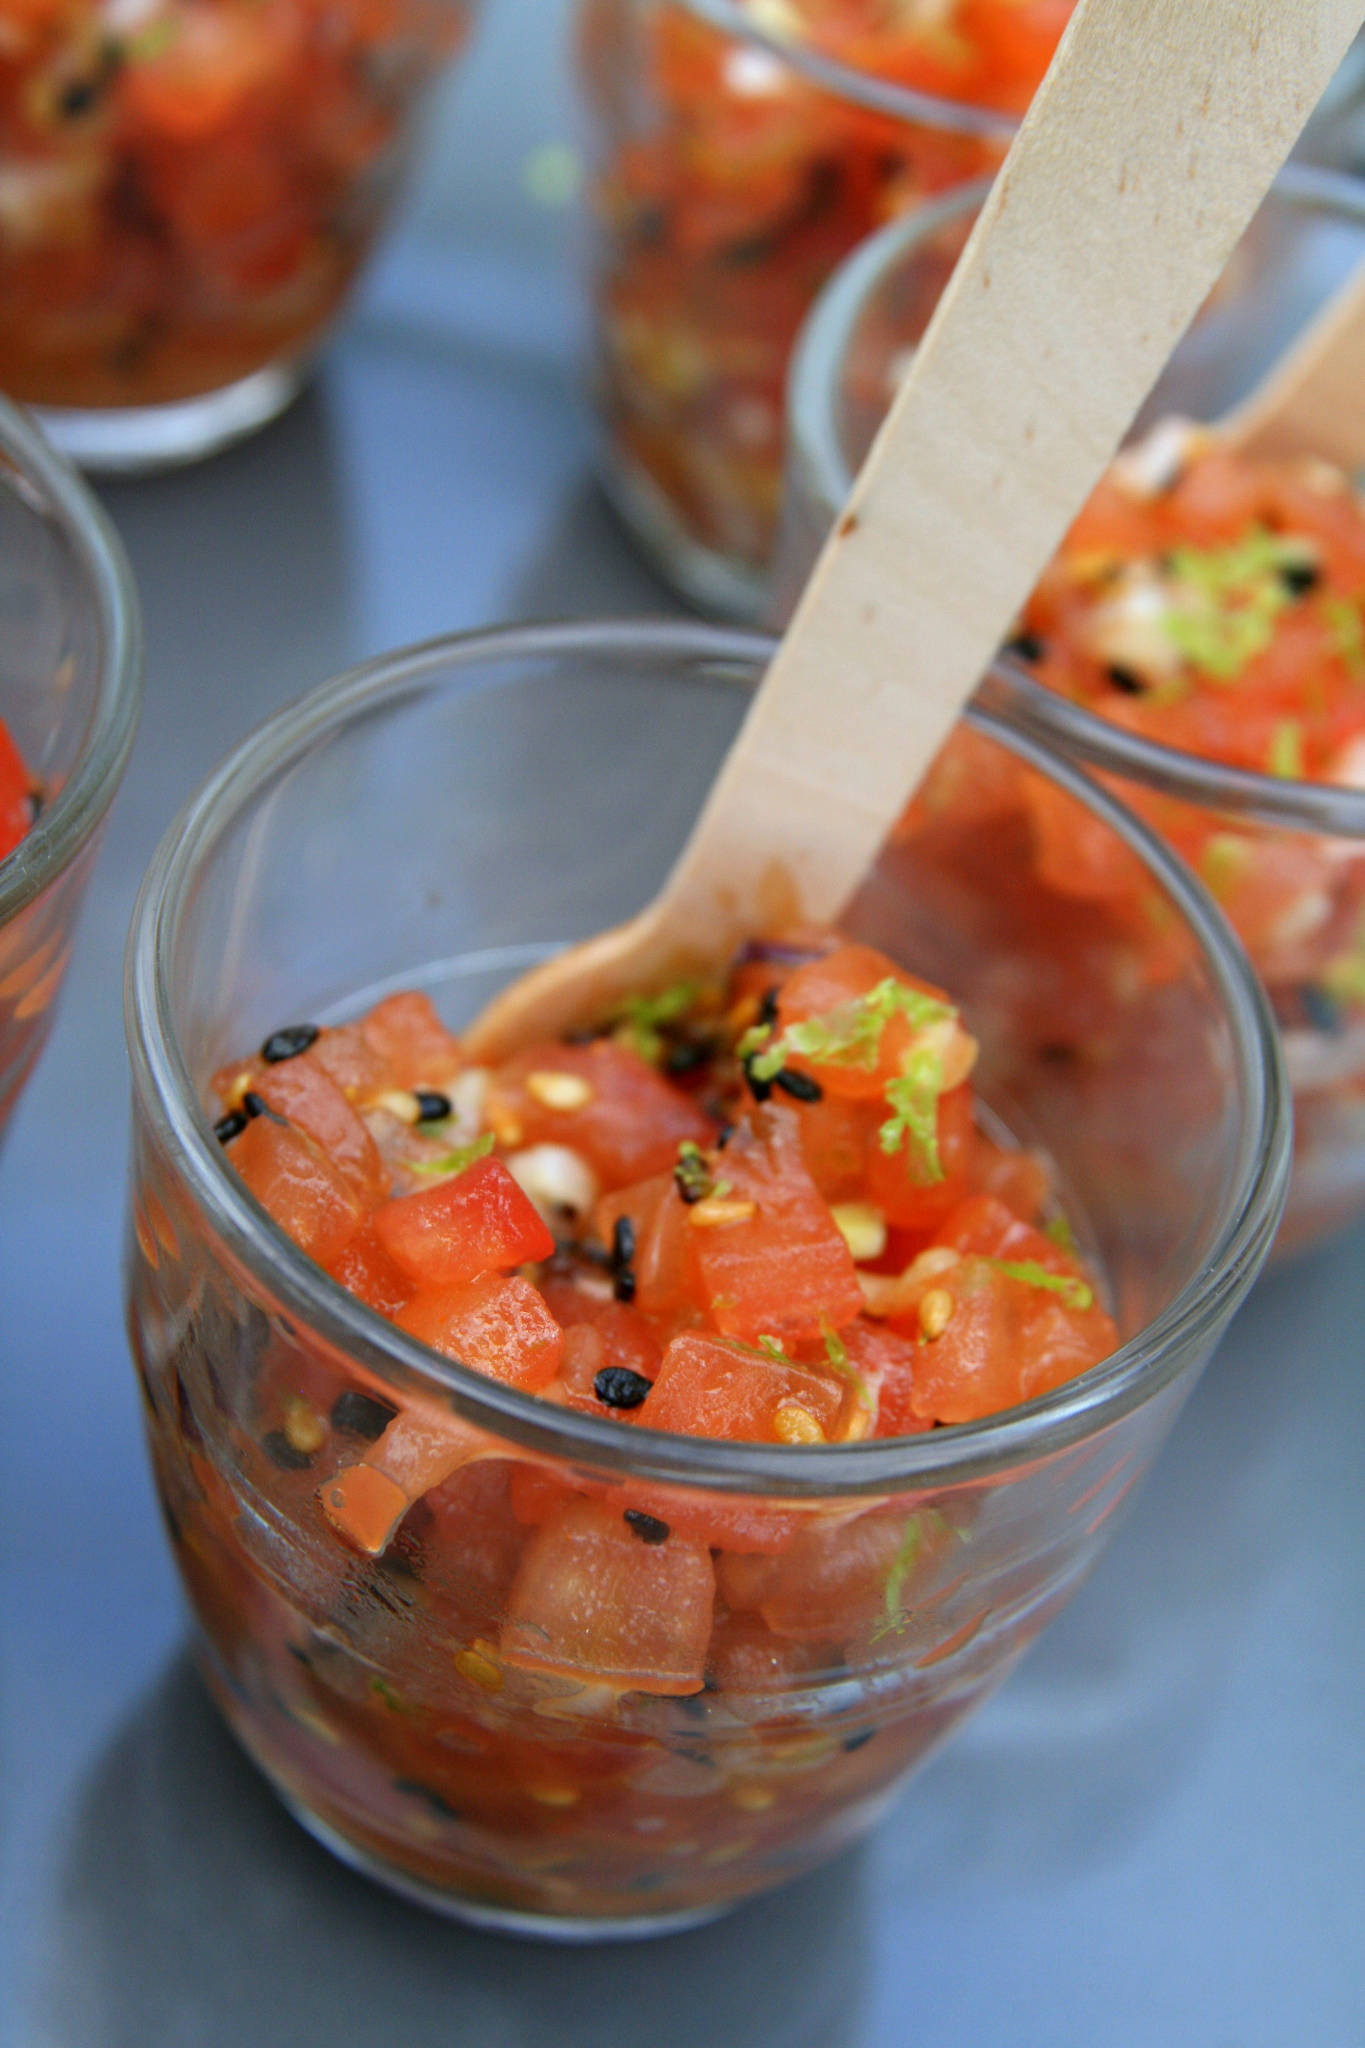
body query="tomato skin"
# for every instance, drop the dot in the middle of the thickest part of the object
(708, 1386)
(785, 1269)
(592, 1600)
(665, 1284)
(364, 1269)
(308, 1098)
(629, 1127)
(294, 1180)
(405, 1033)
(496, 1326)
(16, 809)
(451, 1233)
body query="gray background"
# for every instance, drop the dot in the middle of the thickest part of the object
(1153, 1835)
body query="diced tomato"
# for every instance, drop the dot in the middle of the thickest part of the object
(471, 1543)
(496, 1326)
(834, 984)
(897, 1183)
(625, 1337)
(711, 1386)
(596, 1600)
(885, 1359)
(665, 1280)
(843, 1577)
(405, 1032)
(475, 1223)
(294, 1180)
(16, 808)
(620, 1112)
(784, 1268)
(364, 1268)
(305, 1096)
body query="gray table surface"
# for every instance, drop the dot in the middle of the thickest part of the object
(1154, 1835)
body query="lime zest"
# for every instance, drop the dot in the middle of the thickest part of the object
(1347, 628)
(638, 1021)
(1285, 756)
(850, 1035)
(836, 1352)
(1061, 1233)
(1226, 601)
(1075, 1292)
(913, 1098)
(455, 1162)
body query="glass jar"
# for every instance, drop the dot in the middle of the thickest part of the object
(739, 151)
(187, 188)
(70, 681)
(439, 820)
(1285, 858)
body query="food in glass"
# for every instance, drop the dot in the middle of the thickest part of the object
(70, 676)
(1201, 634)
(495, 1638)
(741, 149)
(186, 190)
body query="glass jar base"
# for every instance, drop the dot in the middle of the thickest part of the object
(713, 584)
(139, 440)
(562, 1928)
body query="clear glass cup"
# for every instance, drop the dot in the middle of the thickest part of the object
(186, 194)
(1286, 859)
(439, 819)
(70, 682)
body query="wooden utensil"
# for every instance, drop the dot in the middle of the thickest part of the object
(1151, 142)
(1313, 401)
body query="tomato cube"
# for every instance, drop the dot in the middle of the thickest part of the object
(477, 1222)
(495, 1326)
(711, 1386)
(600, 1099)
(298, 1185)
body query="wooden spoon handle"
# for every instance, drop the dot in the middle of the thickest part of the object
(1315, 397)
(1151, 142)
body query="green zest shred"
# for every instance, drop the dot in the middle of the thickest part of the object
(456, 1161)
(1227, 601)
(1285, 758)
(640, 1020)
(1075, 1292)
(1061, 1233)
(913, 1100)
(836, 1351)
(895, 1617)
(1347, 627)
(849, 1036)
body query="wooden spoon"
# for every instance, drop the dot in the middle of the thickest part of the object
(1151, 142)
(1313, 401)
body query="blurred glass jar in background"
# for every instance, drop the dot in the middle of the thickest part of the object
(187, 188)
(740, 149)
(1285, 857)
(70, 681)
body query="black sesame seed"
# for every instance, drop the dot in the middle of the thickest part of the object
(760, 1090)
(767, 1009)
(252, 1104)
(229, 1127)
(622, 1242)
(77, 98)
(619, 1387)
(432, 1106)
(1299, 578)
(648, 1528)
(802, 1087)
(1125, 679)
(623, 1286)
(37, 804)
(724, 1135)
(289, 1043)
(414, 1789)
(856, 1741)
(281, 1452)
(361, 1414)
(1027, 646)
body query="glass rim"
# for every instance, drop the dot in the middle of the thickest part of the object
(861, 88)
(52, 488)
(284, 1275)
(815, 451)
